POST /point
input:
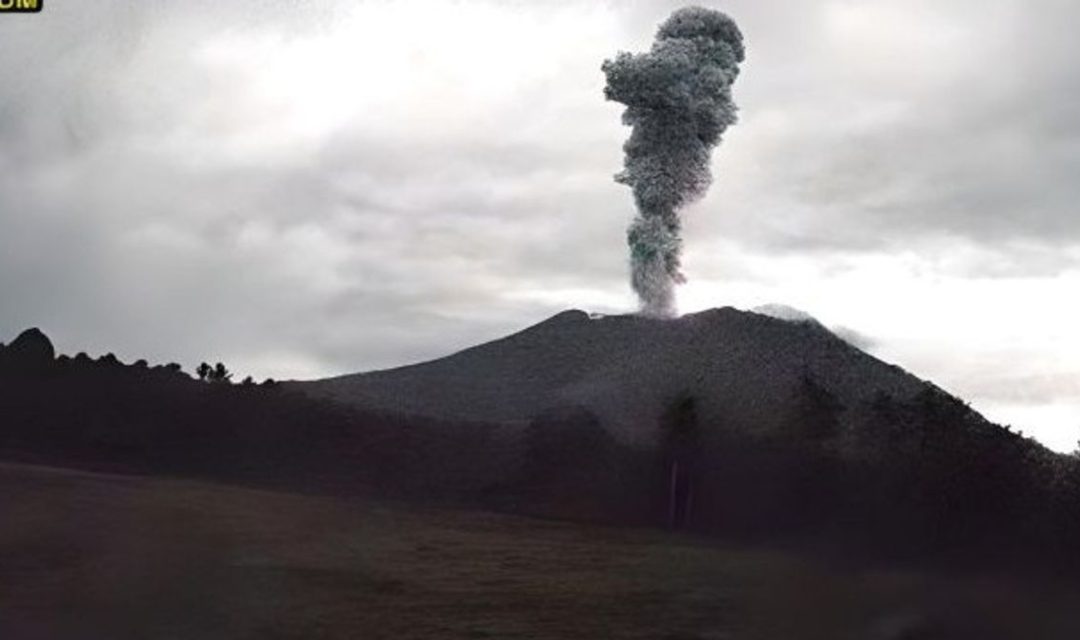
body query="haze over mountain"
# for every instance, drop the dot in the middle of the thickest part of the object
(743, 369)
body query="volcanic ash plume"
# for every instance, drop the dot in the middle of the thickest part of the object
(678, 101)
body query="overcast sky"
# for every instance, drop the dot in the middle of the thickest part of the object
(302, 189)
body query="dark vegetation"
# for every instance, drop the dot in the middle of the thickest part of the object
(928, 479)
(940, 484)
(101, 414)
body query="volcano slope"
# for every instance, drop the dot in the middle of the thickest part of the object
(743, 369)
(737, 422)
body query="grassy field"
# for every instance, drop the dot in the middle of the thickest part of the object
(91, 556)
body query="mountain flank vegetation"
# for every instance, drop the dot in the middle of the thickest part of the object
(724, 423)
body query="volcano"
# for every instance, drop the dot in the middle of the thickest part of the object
(743, 369)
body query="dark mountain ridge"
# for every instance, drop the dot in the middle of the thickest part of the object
(723, 422)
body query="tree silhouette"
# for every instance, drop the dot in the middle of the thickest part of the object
(220, 375)
(203, 371)
(681, 450)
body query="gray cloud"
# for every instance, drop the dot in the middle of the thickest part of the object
(143, 211)
(978, 142)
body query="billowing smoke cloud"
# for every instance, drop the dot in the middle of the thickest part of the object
(678, 101)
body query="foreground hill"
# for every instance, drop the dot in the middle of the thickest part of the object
(86, 556)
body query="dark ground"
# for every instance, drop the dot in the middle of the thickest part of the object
(89, 556)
